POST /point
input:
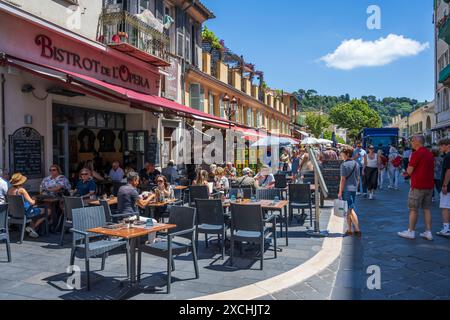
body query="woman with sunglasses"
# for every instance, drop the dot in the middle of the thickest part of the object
(56, 183)
(162, 192)
(370, 171)
(86, 186)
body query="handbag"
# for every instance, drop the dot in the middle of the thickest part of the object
(340, 207)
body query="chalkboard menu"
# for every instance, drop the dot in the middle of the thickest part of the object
(331, 171)
(26, 152)
(152, 153)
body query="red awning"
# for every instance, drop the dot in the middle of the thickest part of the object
(97, 86)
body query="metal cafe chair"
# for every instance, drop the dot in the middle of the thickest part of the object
(4, 232)
(16, 209)
(211, 220)
(271, 194)
(248, 192)
(84, 219)
(300, 199)
(70, 203)
(184, 219)
(248, 225)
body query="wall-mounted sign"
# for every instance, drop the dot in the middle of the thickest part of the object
(49, 51)
(26, 152)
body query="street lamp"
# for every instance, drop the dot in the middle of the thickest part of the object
(230, 107)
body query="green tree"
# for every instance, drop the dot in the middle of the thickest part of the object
(317, 123)
(355, 116)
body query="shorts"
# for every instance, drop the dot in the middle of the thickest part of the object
(420, 199)
(32, 212)
(445, 201)
(350, 197)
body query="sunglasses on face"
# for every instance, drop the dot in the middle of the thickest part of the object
(53, 170)
(84, 174)
(160, 181)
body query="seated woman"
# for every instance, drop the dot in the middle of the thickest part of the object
(201, 179)
(17, 181)
(162, 192)
(55, 184)
(86, 186)
(221, 183)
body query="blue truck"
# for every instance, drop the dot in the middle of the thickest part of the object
(380, 137)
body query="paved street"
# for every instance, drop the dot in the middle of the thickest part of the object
(38, 269)
(409, 269)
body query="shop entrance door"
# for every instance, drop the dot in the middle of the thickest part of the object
(135, 148)
(61, 147)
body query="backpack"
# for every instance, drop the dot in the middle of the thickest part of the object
(397, 162)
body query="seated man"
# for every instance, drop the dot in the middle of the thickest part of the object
(149, 173)
(116, 173)
(86, 186)
(171, 173)
(265, 178)
(128, 198)
(246, 180)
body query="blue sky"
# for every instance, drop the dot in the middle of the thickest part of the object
(287, 38)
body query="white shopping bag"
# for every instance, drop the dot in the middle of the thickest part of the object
(340, 207)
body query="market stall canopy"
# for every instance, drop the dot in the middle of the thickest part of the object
(273, 141)
(309, 141)
(324, 141)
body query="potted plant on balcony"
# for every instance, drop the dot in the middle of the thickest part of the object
(210, 42)
(120, 37)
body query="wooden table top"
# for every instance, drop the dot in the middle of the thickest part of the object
(90, 202)
(265, 204)
(161, 204)
(181, 187)
(130, 233)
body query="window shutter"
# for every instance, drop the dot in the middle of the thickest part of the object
(159, 10)
(196, 96)
(180, 31)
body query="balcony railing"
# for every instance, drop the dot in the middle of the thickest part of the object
(133, 36)
(444, 29)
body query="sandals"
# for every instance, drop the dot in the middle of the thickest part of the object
(348, 234)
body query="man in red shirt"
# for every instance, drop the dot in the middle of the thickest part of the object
(421, 171)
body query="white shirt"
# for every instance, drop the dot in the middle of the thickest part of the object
(3, 190)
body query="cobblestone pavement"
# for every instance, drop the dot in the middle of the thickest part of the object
(38, 270)
(409, 269)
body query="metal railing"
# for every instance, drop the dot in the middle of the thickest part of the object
(122, 27)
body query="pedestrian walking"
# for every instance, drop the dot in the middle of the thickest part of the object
(421, 171)
(438, 161)
(358, 155)
(347, 190)
(382, 170)
(394, 164)
(370, 172)
(444, 145)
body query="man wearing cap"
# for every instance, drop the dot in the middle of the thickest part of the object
(246, 180)
(329, 154)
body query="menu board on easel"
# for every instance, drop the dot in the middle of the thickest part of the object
(331, 171)
(26, 152)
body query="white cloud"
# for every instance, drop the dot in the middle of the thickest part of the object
(356, 53)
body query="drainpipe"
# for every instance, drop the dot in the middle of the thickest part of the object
(3, 106)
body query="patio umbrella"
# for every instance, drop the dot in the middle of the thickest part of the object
(272, 140)
(309, 141)
(324, 141)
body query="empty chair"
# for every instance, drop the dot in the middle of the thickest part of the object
(4, 233)
(70, 203)
(84, 219)
(280, 180)
(110, 216)
(248, 192)
(248, 225)
(184, 219)
(271, 194)
(16, 209)
(197, 192)
(210, 220)
(308, 177)
(300, 199)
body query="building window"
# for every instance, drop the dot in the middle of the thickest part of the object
(211, 100)
(445, 105)
(258, 119)
(250, 117)
(222, 108)
(197, 96)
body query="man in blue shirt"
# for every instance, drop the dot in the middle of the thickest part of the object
(358, 156)
(116, 173)
(128, 198)
(86, 186)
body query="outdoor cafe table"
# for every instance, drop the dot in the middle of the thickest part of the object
(132, 236)
(91, 202)
(267, 205)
